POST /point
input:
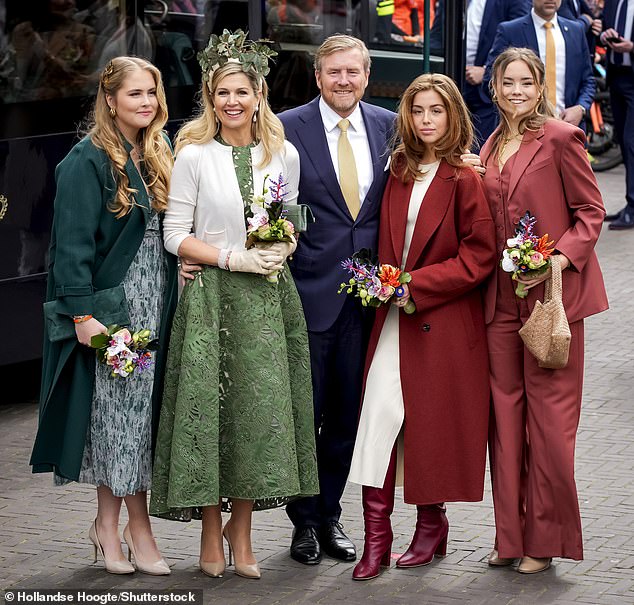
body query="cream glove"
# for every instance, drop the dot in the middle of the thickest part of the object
(255, 260)
(285, 249)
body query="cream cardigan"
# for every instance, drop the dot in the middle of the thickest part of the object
(204, 197)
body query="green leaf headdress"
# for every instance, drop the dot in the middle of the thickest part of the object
(235, 48)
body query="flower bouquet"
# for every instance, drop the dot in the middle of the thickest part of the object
(374, 283)
(123, 351)
(266, 218)
(527, 254)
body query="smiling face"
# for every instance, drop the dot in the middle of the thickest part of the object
(235, 103)
(135, 103)
(546, 9)
(342, 80)
(518, 94)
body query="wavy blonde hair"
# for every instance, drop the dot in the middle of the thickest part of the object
(155, 149)
(410, 149)
(542, 111)
(267, 129)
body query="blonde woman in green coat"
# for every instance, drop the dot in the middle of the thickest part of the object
(108, 265)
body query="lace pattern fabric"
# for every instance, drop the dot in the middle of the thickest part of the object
(237, 417)
(118, 450)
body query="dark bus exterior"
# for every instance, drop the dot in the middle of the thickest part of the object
(51, 52)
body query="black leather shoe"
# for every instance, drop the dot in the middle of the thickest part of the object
(608, 218)
(305, 546)
(624, 221)
(335, 543)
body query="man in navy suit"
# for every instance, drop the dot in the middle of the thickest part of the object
(338, 327)
(579, 10)
(618, 23)
(576, 85)
(483, 18)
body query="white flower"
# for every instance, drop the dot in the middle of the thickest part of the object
(513, 242)
(120, 340)
(507, 262)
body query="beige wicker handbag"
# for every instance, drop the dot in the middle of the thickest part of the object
(546, 333)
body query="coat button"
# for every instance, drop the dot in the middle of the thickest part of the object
(425, 327)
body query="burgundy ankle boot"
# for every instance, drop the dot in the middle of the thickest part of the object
(378, 504)
(430, 537)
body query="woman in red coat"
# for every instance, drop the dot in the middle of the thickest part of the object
(426, 393)
(537, 163)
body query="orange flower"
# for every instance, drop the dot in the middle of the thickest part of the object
(389, 276)
(544, 246)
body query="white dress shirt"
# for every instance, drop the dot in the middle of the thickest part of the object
(560, 50)
(205, 199)
(358, 137)
(475, 12)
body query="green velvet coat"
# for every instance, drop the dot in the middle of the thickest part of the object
(90, 250)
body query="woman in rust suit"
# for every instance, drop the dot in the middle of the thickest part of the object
(537, 163)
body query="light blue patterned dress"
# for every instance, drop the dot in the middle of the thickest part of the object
(118, 450)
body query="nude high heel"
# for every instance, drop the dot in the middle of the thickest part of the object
(117, 567)
(213, 569)
(158, 568)
(251, 571)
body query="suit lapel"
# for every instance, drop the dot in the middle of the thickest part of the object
(571, 59)
(312, 137)
(529, 147)
(430, 215)
(141, 197)
(398, 206)
(530, 35)
(487, 32)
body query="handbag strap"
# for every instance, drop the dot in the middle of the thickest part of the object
(553, 286)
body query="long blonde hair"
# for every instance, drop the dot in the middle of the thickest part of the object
(267, 129)
(155, 149)
(542, 111)
(410, 150)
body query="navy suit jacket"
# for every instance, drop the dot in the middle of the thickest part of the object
(580, 86)
(495, 12)
(609, 21)
(334, 236)
(567, 10)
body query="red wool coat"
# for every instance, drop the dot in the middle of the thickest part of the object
(443, 352)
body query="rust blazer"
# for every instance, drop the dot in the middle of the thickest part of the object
(552, 178)
(443, 353)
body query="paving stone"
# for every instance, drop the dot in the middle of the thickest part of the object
(43, 530)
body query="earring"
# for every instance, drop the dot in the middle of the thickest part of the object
(494, 98)
(255, 115)
(113, 112)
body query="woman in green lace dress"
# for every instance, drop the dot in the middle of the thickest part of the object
(236, 429)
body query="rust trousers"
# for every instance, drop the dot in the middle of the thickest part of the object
(535, 416)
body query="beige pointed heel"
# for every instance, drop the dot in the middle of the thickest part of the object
(245, 570)
(157, 568)
(213, 569)
(116, 567)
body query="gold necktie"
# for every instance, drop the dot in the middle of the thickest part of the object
(348, 179)
(551, 64)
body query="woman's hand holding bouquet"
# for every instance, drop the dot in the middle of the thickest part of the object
(527, 256)
(376, 284)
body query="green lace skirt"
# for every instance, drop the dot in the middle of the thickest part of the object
(237, 414)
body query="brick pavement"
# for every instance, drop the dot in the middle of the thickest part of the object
(43, 531)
